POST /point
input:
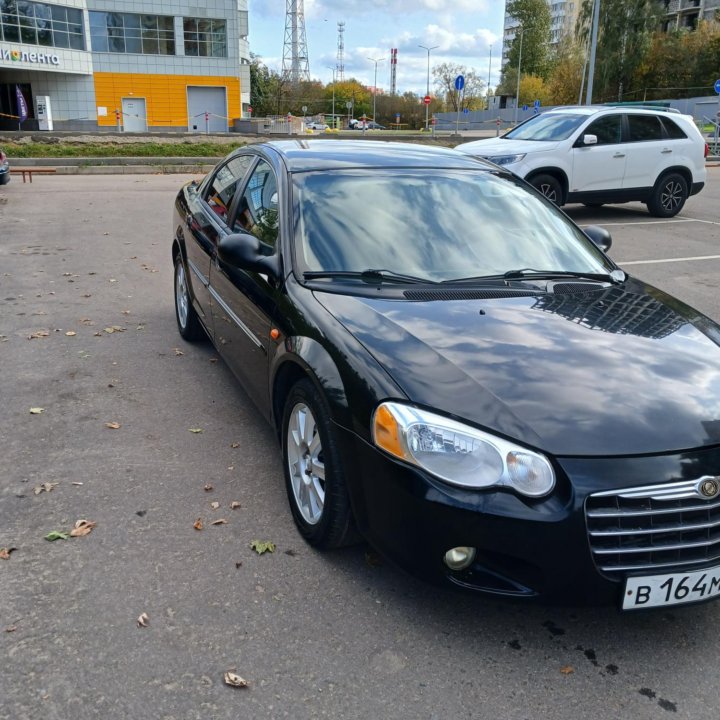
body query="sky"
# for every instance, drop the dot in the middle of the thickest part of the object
(463, 30)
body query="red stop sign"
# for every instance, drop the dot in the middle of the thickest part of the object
(250, 110)
(427, 99)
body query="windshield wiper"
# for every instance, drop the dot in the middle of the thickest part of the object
(616, 276)
(368, 276)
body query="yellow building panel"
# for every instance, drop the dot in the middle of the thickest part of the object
(165, 96)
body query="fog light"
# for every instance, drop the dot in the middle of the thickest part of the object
(459, 558)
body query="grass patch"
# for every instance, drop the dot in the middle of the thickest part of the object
(103, 150)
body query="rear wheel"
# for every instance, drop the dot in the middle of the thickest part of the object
(549, 186)
(188, 323)
(314, 474)
(668, 196)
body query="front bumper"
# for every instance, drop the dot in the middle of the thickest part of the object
(526, 549)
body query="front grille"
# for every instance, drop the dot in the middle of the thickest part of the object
(653, 528)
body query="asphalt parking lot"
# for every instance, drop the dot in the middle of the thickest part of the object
(141, 433)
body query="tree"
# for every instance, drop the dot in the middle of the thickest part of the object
(565, 79)
(266, 88)
(470, 97)
(533, 32)
(624, 37)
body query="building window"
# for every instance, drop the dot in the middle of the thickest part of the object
(205, 37)
(37, 23)
(131, 33)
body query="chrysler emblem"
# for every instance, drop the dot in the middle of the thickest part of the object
(709, 487)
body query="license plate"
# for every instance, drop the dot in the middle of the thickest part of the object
(671, 589)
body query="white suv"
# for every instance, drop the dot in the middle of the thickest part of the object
(604, 154)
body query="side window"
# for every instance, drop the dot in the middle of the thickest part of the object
(258, 208)
(222, 188)
(608, 129)
(644, 127)
(672, 130)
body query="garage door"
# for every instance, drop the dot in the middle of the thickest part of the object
(211, 100)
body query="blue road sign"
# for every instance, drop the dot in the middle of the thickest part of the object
(717, 87)
(459, 82)
(525, 107)
(536, 104)
(536, 110)
(465, 111)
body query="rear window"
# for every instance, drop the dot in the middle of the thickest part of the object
(644, 127)
(673, 131)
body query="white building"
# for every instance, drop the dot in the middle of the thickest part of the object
(132, 64)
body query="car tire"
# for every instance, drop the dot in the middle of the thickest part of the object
(668, 195)
(548, 186)
(188, 322)
(314, 473)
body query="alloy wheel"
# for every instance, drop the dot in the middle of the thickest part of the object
(306, 464)
(181, 294)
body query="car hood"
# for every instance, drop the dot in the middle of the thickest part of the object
(493, 147)
(617, 371)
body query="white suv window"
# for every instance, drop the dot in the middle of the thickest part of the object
(608, 129)
(644, 127)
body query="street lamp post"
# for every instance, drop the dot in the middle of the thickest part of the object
(376, 61)
(489, 70)
(333, 105)
(517, 93)
(427, 105)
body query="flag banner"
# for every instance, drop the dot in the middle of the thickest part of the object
(22, 108)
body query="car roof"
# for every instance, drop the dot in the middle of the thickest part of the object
(329, 154)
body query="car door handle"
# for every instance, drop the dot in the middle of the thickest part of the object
(665, 151)
(619, 155)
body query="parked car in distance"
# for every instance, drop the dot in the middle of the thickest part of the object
(459, 373)
(4, 169)
(366, 125)
(316, 125)
(604, 154)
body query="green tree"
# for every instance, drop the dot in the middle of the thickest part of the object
(624, 38)
(533, 32)
(471, 96)
(565, 79)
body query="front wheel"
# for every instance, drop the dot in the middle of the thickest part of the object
(314, 475)
(668, 196)
(549, 186)
(188, 323)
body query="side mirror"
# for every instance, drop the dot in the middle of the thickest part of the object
(589, 140)
(600, 236)
(247, 252)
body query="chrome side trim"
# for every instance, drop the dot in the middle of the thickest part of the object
(234, 317)
(196, 271)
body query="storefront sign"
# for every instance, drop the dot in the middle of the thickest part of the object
(36, 58)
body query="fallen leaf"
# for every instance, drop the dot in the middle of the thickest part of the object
(213, 360)
(178, 351)
(567, 670)
(373, 559)
(37, 410)
(112, 425)
(215, 505)
(221, 521)
(234, 445)
(262, 546)
(125, 312)
(71, 333)
(234, 505)
(56, 535)
(39, 334)
(45, 487)
(11, 628)
(98, 334)
(82, 528)
(208, 487)
(118, 328)
(238, 564)
(198, 524)
(75, 482)
(195, 430)
(5, 553)
(234, 680)
(86, 321)
(143, 620)
(291, 552)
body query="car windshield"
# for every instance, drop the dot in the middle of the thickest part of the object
(547, 127)
(441, 225)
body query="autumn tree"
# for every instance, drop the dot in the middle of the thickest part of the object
(565, 80)
(470, 97)
(624, 37)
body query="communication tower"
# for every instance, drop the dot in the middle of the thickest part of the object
(295, 65)
(340, 69)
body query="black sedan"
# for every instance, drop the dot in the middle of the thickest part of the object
(458, 373)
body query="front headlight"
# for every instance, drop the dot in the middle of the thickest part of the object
(457, 453)
(506, 159)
